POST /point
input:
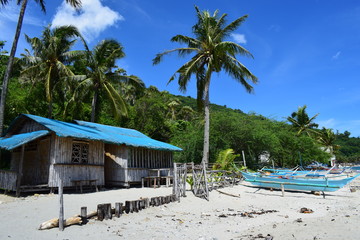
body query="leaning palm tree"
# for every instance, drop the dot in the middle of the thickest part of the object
(47, 62)
(212, 53)
(74, 3)
(302, 123)
(101, 80)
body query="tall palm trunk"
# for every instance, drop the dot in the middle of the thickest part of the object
(93, 105)
(207, 124)
(10, 65)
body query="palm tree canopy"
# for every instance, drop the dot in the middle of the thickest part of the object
(47, 62)
(100, 76)
(74, 3)
(211, 53)
(327, 138)
(301, 121)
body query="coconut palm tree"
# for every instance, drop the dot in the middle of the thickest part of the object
(327, 138)
(74, 3)
(173, 104)
(100, 78)
(302, 123)
(212, 53)
(47, 62)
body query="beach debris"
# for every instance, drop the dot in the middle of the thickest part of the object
(269, 237)
(229, 194)
(246, 214)
(52, 223)
(306, 210)
(205, 214)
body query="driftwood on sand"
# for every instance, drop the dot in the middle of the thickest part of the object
(52, 223)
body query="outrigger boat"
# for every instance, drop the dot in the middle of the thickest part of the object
(289, 182)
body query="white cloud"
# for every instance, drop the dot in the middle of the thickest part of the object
(10, 13)
(239, 38)
(91, 20)
(329, 123)
(336, 56)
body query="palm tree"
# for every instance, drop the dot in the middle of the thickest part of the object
(74, 3)
(211, 54)
(100, 78)
(327, 138)
(302, 123)
(48, 62)
(173, 104)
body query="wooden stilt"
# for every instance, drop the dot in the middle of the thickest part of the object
(282, 190)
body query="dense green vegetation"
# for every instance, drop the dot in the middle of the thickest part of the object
(52, 80)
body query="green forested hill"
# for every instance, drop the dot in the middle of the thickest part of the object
(173, 119)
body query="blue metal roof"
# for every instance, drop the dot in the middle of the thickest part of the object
(129, 137)
(20, 139)
(104, 133)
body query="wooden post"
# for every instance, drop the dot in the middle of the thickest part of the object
(100, 212)
(61, 203)
(184, 180)
(282, 190)
(118, 209)
(20, 171)
(135, 206)
(107, 210)
(83, 215)
(175, 183)
(147, 202)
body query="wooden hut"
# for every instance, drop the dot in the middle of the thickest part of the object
(45, 151)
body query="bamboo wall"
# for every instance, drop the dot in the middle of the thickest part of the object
(147, 158)
(142, 159)
(8, 180)
(116, 161)
(62, 168)
(36, 162)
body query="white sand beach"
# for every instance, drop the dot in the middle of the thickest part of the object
(222, 217)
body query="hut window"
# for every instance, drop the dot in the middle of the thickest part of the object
(80, 152)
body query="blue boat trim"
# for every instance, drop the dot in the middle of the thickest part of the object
(302, 184)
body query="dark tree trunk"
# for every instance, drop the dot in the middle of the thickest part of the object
(10, 65)
(93, 105)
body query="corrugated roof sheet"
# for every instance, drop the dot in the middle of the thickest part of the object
(129, 137)
(104, 133)
(20, 139)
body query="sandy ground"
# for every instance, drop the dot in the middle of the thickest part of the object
(222, 217)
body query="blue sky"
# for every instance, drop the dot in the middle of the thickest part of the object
(305, 52)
